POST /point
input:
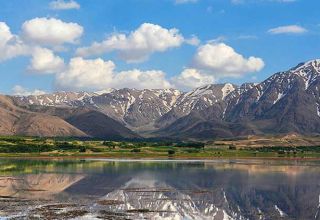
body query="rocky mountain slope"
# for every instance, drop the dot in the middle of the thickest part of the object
(133, 107)
(153, 108)
(291, 98)
(196, 100)
(285, 102)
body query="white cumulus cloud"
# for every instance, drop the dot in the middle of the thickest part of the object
(86, 74)
(51, 31)
(138, 45)
(64, 5)
(289, 29)
(221, 60)
(152, 79)
(96, 74)
(10, 45)
(192, 78)
(44, 61)
(21, 91)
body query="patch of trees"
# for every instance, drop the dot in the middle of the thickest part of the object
(197, 145)
(26, 148)
(136, 150)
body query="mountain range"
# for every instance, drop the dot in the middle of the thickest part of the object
(286, 102)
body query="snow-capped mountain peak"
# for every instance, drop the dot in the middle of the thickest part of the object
(307, 66)
(104, 91)
(308, 71)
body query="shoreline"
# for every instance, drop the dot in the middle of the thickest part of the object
(151, 158)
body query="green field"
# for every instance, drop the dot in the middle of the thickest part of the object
(49, 147)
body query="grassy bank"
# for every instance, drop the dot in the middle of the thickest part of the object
(49, 147)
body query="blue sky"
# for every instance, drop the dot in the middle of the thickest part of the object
(277, 34)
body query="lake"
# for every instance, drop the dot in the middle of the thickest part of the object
(151, 189)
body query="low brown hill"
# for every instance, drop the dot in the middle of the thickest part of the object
(91, 122)
(18, 121)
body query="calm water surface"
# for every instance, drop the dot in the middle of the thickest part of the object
(106, 189)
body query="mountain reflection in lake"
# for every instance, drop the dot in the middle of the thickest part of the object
(97, 189)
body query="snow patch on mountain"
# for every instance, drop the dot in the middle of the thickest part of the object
(281, 213)
(227, 89)
(280, 95)
(318, 109)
